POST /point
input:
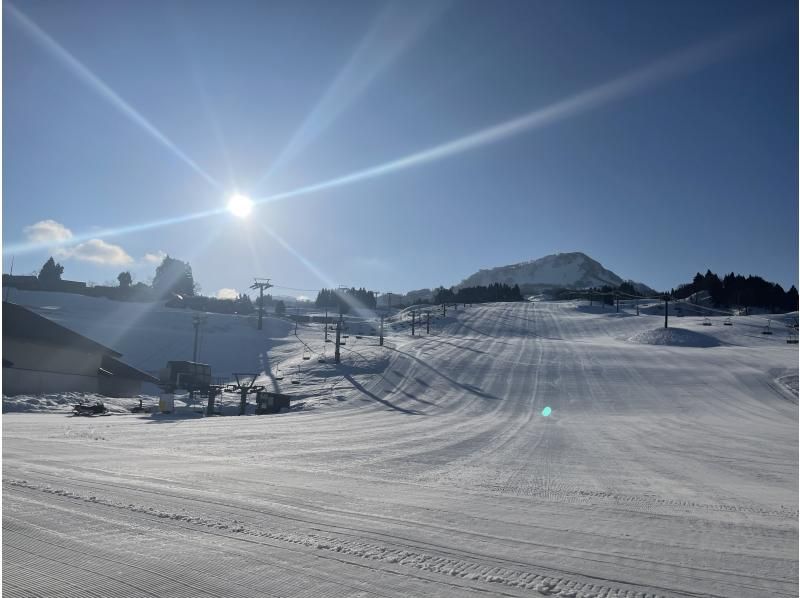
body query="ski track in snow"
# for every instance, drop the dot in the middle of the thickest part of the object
(426, 468)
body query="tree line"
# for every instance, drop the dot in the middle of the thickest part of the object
(342, 300)
(736, 290)
(478, 294)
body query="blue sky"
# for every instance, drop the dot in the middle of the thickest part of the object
(659, 138)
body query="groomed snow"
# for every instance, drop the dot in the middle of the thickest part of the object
(674, 336)
(426, 468)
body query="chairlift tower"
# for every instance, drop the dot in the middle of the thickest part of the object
(260, 284)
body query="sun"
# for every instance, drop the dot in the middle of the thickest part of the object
(240, 205)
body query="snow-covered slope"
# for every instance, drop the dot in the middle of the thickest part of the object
(567, 270)
(149, 334)
(663, 466)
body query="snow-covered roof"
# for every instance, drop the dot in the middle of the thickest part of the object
(22, 323)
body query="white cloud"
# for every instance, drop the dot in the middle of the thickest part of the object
(155, 258)
(96, 251)
(227, 294)
(47, 231)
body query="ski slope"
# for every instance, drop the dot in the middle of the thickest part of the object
(429, 470)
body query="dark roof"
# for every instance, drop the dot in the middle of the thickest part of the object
(22, 323)
(114, 367)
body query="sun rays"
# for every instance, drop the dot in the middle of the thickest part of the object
(360, 71)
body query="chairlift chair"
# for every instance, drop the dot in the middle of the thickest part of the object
(707, 322)
(306, 355)
(727, 322)
(767, 330)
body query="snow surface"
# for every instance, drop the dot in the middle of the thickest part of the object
(674, 336)
(426, 468)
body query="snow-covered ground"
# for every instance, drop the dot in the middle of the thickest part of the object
(667, 467)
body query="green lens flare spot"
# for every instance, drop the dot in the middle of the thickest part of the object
(547, 411)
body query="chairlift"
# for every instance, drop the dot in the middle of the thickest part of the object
(707, 322)
(767, 330)
(306, 355)
(727, 322)
(357, 336)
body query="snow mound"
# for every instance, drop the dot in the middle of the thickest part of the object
(63, 402)
(679, 337)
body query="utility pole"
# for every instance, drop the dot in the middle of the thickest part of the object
(196, 321)
(260, 284)
(666, 310)
(428, 322)
(326, 324)
(444, 309)
(590, 299)
(381, 330)
(413, 321)
(336, 357)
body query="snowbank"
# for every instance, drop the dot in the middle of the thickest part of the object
(63, 402)
(679, 337)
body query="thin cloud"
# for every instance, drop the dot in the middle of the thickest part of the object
(96, 251)
(227, 294)
(155, 258)
(47, 231)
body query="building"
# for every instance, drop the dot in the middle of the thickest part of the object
(40, 356)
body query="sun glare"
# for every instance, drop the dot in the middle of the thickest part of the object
(240, 205)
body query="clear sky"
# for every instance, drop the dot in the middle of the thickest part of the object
(400, 145)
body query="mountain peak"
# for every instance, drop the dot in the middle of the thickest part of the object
(574, 270)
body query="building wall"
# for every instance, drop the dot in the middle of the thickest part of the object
(41, 368)
(119, 387)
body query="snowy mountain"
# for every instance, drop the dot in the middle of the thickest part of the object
(564, 270)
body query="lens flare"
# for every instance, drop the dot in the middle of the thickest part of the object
(99, 86)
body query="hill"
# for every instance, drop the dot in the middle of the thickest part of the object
(561, 270)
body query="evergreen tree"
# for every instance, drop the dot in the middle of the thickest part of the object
(174, 276)
(280, 308)
(125, 280)
(51, 271)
